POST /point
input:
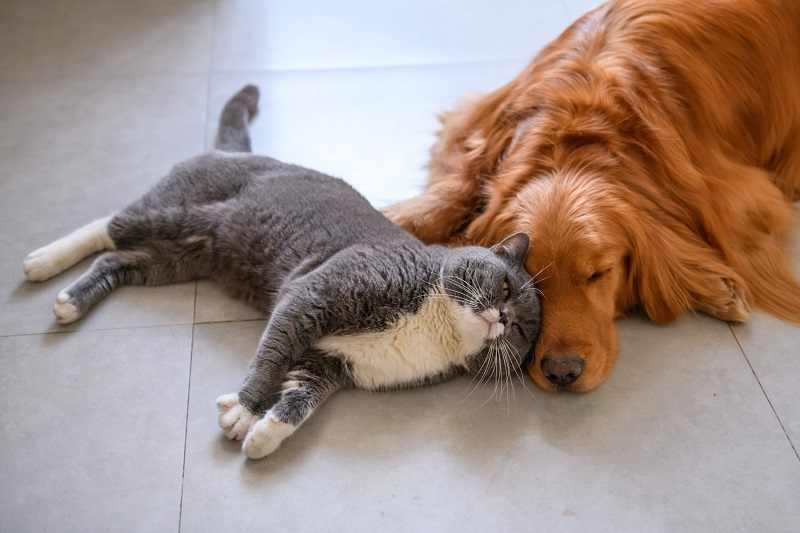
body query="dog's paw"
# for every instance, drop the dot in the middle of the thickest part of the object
(234, 418)
(265, 437)
(732, 305)
(40, 265)
(65, 311)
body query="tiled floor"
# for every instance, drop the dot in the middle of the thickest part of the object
(110, 424)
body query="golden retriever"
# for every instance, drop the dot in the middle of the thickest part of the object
(651, 152)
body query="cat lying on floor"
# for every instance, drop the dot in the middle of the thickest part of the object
(352, 299)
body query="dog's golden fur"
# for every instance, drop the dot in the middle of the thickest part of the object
(652, 153)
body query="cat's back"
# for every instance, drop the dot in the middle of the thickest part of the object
(294, 201)
(248, 191)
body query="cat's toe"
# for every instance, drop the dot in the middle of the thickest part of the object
(234, 418)
(65, 312)
(265, 437)
(39, 266)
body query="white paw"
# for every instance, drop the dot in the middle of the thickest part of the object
(39, 265)
(59, 255)
(65, 312)
(234, 418)
(265, 437)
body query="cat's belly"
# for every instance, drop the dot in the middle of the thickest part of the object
(434, 340)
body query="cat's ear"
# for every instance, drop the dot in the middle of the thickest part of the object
(514, 248)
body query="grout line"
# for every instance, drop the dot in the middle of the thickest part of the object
(151, 326)
(186, 420)
(777, 417)
(203, 323)
(64, 332)
(194, 306)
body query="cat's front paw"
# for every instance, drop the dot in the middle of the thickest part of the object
(265, 437)
(65, 311)
(40, 265)
(234, 418)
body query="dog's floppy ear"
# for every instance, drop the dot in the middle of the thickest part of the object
(471, 141)
(672, 269)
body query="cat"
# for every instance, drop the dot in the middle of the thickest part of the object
(352, 299)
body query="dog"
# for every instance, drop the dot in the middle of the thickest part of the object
(652, 152)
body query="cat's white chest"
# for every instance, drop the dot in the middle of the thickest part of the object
(441, 334)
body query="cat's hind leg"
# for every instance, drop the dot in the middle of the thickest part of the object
(46, 262)
(109, 271)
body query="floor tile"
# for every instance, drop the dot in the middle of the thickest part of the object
(372, 127)
(214, 305)
(92, 430)
(773, 349)
(89, 38)
(77, 150)
(308, 34)
(679, 432)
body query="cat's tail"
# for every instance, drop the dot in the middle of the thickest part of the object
(233, 134)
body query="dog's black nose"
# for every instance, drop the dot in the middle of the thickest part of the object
(562, 369)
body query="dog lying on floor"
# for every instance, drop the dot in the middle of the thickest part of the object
(652, 152)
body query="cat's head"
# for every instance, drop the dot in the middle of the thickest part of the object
(500, 311)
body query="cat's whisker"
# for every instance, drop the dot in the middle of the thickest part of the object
(494, 369)
(470, 286)
(465, 287)
(479, 375)
(520, 374)
(477, 288)
(466, 298)
(495, 374)
(542, 270)
(502, 363)
(527, 284)
(461, 286)
(510, 366)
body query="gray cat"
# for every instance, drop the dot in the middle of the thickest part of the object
(354, 301)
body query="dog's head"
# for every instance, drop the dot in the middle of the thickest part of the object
(580, 255)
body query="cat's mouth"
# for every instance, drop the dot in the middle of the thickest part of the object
(490, 318)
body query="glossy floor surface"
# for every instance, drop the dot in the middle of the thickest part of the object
(110, 424)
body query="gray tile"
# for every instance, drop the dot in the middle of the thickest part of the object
(47, 39)
(214, 305)
(680, 438)
(772, 348)
(307, 34)
(372, 127)
(72, 151)
(93, 430)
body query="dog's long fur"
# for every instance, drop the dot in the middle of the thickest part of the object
(651, 152)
